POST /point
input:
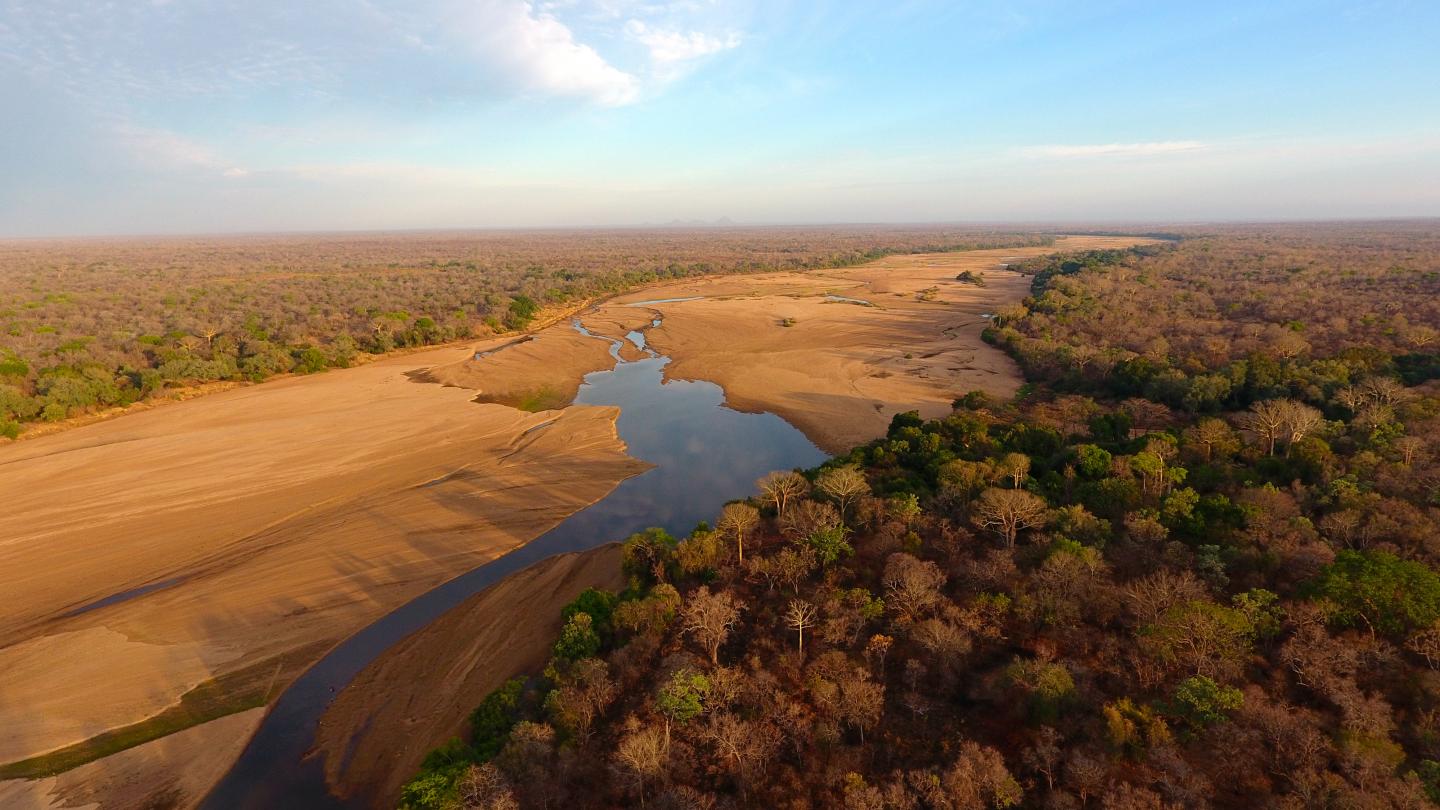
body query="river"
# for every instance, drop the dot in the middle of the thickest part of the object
(704, 455)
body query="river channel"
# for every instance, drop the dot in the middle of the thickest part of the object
(703, 453)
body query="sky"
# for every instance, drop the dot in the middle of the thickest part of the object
(211, 116)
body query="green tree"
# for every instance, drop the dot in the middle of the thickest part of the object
(1206, 638)
(598, 604)
(578, 639)
(1388, 595)
(682, 698)
(492, 720)
(1201, 702)
(1092, 461)
(648, 557)
(830, 544)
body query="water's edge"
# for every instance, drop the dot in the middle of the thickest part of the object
(704, 454)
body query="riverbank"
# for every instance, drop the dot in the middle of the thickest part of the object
(420, 693)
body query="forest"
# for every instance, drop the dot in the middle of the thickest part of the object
(1193, 565)
(87, 325)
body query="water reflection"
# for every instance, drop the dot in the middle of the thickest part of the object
(704, 455)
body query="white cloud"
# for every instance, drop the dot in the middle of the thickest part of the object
(540, 54)
(1145, 149)
(164, 150)
(669, 46)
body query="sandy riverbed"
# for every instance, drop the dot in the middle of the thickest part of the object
(285, 515)
(784, 342)
(281, 517)
(173, 771)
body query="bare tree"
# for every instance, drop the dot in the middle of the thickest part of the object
(710, 618)
(912, 586)
(1008, 511)
(844, 485)
(640, 756)
(808, 517)
(1016, 467)
(1213, 435)
(738, 520)
(1267, 420)
(783, 487)
(860, 702)
(1044, 756)
(1409, 447)
(1300, 420)
(1421, 336)
(1153, 594)
(1386, 391)
(800, 616)
(484, 787)
(743, 746)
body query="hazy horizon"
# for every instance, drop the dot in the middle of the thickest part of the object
(205, 117)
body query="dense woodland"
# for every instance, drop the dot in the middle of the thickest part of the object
(1194, 565)
(91, 324)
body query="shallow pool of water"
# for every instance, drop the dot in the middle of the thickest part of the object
(704, 455)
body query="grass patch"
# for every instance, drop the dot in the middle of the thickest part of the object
(228, 694)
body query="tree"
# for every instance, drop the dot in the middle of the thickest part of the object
(710, 618)
(1016, 467)
(800, 616)
(1008, 511)
(1215, 437)
(484, 787)
(782, 487)
(641, 755)
(912, 586)
(682, 698)
(843, 485)
(578, 639)
(979, 780)
(649, 555)
(1300, 421)
(1201, 702)
(1132, 728)
(1267, 420)
(584, 696)
(830, 545)
(1387, 594)
(1201, 636)
(738, 520)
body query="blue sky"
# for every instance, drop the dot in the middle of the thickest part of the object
(179, 116)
